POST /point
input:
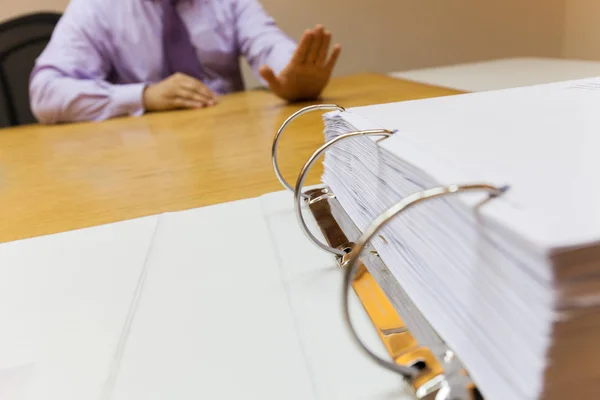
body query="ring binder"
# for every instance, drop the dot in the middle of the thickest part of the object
(317, 107)
(349, 262)
(419, 354)
(302, 177)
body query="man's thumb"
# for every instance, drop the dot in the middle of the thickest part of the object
(269, 76)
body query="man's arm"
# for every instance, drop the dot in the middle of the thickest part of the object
(260, 39)
(292, 72)
(68, 82)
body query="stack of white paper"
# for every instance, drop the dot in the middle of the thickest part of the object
(512, 284)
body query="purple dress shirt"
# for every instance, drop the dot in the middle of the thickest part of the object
(104, 52)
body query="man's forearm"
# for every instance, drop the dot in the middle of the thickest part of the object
(261, 41)
(58, 98)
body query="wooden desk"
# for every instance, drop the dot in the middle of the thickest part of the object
(60, 178)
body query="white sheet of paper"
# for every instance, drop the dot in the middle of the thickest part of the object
(64, 299)
(237, 304)
(214, 319)
(15, 382)
(339, 370)
(223, 302)
(539, 140)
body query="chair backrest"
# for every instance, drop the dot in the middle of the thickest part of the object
(22, 39)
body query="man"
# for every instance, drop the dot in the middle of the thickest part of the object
(109, 58)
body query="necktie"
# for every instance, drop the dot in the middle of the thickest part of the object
(178, 50)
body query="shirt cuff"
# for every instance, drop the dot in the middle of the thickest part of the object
(129, 98)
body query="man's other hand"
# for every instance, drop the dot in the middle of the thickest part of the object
(309, 71)
(178, 91)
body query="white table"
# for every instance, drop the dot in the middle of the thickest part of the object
(503, 73)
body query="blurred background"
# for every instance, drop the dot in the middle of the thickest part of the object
(399, 35)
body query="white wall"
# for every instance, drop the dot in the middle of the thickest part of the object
(385, 35)
(582, 29)
(392, 35)
(11, 8)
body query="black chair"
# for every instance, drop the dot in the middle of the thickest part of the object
(22, 40)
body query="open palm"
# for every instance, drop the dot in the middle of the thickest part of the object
(310, 69)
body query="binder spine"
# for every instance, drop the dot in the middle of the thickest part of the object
(417, 352)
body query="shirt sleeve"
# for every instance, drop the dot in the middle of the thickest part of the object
(260, 39)
(69, 80)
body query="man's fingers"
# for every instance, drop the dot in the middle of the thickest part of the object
(187, 103)
(322, 57)
(197, 86)
(303, 47)
(190, 94)
(315, 47)
(337, 49)
(269, 76)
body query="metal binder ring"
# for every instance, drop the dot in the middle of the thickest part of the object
(383, 219)
(303, 174)
(305, 110)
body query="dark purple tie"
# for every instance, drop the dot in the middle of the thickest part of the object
(178, 50)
